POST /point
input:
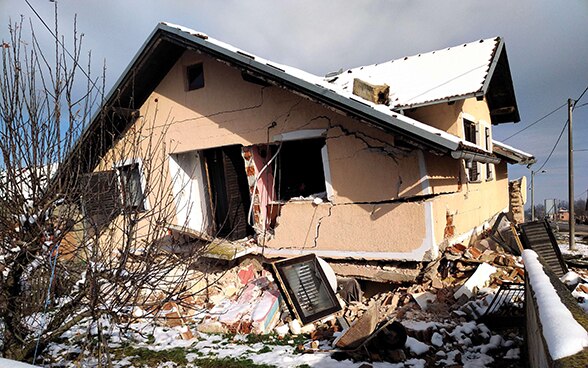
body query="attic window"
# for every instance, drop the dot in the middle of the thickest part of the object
(195, 75)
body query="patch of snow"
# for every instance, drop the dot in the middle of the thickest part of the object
(570, 278)
(451, 358)
(437, 339)
(7, 363)
(476, 360)
(563, 334)
(513, 354)
(416, 346)
(495, 342)
(419, 325)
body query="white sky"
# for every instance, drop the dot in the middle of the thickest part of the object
(546, 41)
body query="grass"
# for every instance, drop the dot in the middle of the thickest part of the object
(152, 358)
(228, 363)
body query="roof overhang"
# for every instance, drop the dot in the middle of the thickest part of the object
(167, 43)
(498, 89)
(511, 154)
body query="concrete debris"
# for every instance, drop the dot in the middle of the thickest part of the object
(424, 299)
(476, 281)
(365, 319)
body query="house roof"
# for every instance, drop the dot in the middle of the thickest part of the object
(168, 42)
(511, 154)
(477, 69)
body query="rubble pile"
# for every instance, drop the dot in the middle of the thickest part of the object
(444, 310)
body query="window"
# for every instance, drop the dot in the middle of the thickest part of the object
(307, 287)
(489, 166)
(131, 188)
(470, 135)
(99, 198)
(299, 169)
(195, 74)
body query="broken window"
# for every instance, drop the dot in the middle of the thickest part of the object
(299, 169)
(307, 288)
(195, 75)
(470, 135)
(131, 188)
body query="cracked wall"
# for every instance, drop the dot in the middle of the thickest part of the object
(388, 202)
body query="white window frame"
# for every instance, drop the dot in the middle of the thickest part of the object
(127, 162)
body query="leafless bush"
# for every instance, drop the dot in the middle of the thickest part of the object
(79, 239)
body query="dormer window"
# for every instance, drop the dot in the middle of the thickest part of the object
(195, 74)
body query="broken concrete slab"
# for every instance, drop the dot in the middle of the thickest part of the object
(424, 299)
(401, 273)
(476, 281)
(360, 330)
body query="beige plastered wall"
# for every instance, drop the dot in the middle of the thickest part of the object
(467, 210)
(368, 174)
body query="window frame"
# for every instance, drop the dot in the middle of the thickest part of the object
(126, 208)
(476, 167)
(188, 68)
(488, 141)
(308, 134)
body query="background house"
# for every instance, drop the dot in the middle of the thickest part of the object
(384, 162)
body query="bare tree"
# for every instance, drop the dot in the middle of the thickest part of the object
(83, 217)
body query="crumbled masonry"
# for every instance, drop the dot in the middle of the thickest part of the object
(449, 296)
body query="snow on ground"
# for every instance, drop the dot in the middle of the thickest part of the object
(563, 334)
(466, 343)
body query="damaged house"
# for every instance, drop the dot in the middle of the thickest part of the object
(386, 162)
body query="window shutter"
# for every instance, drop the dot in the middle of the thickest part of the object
(100, 198)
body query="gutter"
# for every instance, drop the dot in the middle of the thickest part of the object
(475, 157)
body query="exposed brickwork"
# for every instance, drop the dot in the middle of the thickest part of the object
(516, 213)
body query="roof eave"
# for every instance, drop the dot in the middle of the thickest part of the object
(512, 155)
(320, 93)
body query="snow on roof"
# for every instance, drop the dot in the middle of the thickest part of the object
(563, 334)
(321, 82)
(512, 153)
(425, 78)
(474, 58)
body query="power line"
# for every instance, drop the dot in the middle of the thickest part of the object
(76, 64)
(579, 98)
(562, 131)
(554, 146)
(536, 121)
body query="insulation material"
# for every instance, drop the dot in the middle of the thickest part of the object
(261, 190)
(266, 313)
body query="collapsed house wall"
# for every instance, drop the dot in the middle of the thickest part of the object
(384, 202)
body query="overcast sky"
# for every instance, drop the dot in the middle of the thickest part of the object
(546, 41)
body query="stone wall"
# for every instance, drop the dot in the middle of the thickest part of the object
(516, 209)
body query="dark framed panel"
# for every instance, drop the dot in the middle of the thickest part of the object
(306, 288)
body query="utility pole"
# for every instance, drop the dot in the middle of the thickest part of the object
(572, 217)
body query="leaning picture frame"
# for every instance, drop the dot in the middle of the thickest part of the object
(306, 288)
